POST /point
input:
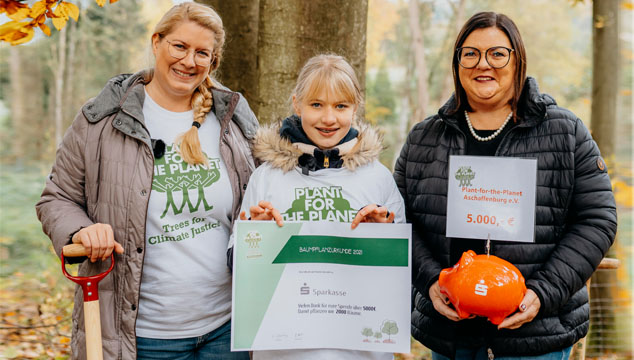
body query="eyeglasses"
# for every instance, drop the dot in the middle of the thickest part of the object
(178, 51)
(497, 56)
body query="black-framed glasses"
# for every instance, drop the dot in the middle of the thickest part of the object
(497, 56)
(179, 50)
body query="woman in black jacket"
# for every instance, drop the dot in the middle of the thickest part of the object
(497, 111)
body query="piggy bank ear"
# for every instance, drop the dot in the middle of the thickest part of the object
(467, 258)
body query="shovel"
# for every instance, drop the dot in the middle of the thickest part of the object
(90, 286)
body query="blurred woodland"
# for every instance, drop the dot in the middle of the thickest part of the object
(402, 50)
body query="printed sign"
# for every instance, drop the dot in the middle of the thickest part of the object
(321, 285)
(491, 197)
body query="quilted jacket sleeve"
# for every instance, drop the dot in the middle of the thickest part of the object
(425, 269)
(62, 206)
(590, 230)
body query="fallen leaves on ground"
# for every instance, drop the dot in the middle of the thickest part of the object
(35, 316)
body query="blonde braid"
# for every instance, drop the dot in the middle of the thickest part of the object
(188, 142)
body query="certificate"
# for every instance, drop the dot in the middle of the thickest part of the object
(491, 197)
(321, 285)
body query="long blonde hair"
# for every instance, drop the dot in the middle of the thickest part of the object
(330, 72)
(188, 143)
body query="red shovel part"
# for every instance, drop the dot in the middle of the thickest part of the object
(90, 286)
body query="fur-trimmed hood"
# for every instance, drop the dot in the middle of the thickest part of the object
(279, 152)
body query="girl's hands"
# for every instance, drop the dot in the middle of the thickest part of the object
(98, 239)
(373, 213)
(264, 210)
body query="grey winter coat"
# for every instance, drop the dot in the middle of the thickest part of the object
(575, 226)
(103, 174)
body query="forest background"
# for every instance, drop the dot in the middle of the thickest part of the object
(44, 83)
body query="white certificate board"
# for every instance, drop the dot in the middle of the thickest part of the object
(321, 285)
(491, 196)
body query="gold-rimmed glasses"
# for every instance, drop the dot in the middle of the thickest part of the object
(178, 50)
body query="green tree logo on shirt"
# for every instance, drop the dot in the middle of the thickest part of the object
(320, 204)
(172, 174)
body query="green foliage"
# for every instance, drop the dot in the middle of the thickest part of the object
(111, 37)
(380, 98)
(23, 246)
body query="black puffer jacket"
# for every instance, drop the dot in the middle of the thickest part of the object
(575, 226)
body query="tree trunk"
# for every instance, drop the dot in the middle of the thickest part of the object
(605, 91)
(279, 56)
(17, 102)
(338, 27)
(238, 67)
(605, 73)
(418, 46)
(59, 72)
(70, 103)
(262, 61)
(452, 32)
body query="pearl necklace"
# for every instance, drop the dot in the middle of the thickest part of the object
(490, 137)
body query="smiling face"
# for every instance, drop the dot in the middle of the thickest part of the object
(178, 78)
(326, 117)
(484, 85)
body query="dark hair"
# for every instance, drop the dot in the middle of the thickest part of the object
(483, 20)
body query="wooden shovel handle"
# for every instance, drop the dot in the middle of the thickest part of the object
(92, 323)
(74, 250)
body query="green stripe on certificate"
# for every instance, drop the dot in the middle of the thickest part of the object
(344, 250)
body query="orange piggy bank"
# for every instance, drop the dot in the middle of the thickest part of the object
(483, 285)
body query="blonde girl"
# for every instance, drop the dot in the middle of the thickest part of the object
(323, 145)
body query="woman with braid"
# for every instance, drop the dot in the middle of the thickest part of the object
(154, 168)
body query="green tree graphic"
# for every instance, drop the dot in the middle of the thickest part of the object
(180, 176)
(377, 336)
(367, 332)
(389, 327)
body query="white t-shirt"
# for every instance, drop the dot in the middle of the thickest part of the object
(186, 284)
(327, 194)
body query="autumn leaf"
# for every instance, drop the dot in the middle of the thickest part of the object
(101, 2)
(627, 5)
(11, 7)
(71, 9)
(38, 9)
(45, 29)
(20, 14)
(61, 16)
(59, 23)
(113, 1)
(15, 32)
